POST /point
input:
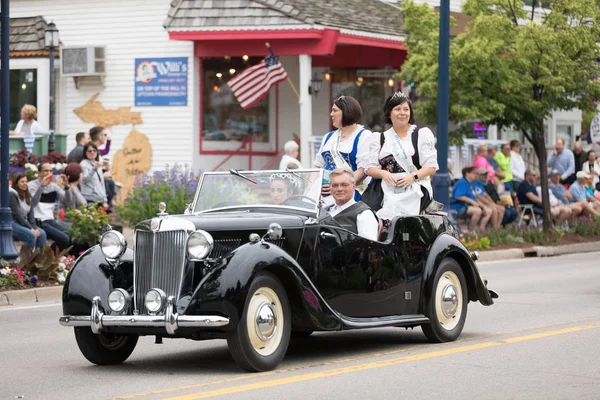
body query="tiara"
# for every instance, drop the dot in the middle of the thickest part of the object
(279, 175)
(399, 95)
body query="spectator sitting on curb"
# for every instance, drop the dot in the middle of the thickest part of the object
(510, 213)
(528, 194)
(484, 198)
(45, 194)
(580, 194)
(561, 193)
(464, 201)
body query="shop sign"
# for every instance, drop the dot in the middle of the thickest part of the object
(376, 73)
(161, 81)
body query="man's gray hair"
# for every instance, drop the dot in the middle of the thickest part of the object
(342, 171)
(290, 146)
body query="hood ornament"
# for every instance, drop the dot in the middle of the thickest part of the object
(162, 208)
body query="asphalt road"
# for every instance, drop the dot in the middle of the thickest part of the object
(539, 341)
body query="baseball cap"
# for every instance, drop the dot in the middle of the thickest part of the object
(554, 172)
(582, 175)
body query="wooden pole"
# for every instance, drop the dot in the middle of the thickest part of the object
(288, 78)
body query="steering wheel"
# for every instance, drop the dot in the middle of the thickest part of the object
(299, 197)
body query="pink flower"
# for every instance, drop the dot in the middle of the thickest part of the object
(19, 272)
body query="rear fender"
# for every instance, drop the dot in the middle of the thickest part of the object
(448, 246)
(224, 288)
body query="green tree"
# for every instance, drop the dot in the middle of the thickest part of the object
(513, 65)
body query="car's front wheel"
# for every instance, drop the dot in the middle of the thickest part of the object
(262, 336)
(447, 306)
(104, 349)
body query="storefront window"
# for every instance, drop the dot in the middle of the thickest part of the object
(23, 90)
(565, 132)
(370, 93)
(223, 119)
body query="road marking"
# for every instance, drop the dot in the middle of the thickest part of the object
(12, 308)
(378, 364)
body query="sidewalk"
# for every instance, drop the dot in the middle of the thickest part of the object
(46, 294)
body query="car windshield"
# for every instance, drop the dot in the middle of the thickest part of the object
(297, 189)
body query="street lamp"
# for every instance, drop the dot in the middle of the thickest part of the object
(7, 247)
(51, 42)
(441, 180)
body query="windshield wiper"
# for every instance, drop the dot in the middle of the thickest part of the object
(237, 173)
(297, 175)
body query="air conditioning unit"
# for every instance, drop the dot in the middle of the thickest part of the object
(82, 61)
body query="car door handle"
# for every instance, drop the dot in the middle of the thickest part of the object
(327, 235)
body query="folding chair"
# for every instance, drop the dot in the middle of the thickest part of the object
(526, 213)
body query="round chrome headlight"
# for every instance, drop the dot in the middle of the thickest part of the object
(199, 244)
(118, 300)
(155, 300)
(113, 245)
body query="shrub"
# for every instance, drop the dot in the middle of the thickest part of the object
(87, 223)
(22, 157)
(43, 265)
(53, 158)
(472, 242)
(175, 186)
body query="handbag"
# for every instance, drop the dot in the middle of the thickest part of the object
(373, 194)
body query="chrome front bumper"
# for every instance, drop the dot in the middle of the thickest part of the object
(170, 321)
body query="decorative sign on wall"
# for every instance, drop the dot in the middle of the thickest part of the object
(595, 129)
(161, 81)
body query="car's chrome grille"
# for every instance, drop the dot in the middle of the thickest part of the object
(223, 247)
(159, 262)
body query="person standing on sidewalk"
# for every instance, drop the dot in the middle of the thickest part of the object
(503, 159)
(562, 160)
(517, 164)
(76, 155)
(45, 194)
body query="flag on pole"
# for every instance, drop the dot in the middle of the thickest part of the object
(254, 82)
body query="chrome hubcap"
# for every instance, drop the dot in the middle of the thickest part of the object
(449, 301)
(266, 322)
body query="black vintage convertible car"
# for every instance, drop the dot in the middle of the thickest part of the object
(256, 260)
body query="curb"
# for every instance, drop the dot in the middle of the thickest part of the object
(539, 251)
(28, 296)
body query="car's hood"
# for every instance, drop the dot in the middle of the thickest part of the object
(234, 220)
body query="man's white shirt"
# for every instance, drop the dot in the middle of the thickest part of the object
(366, 223)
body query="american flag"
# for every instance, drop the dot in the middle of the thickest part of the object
(254, 83)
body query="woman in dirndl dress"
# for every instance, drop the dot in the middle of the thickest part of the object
(405, 171)
(347, 146)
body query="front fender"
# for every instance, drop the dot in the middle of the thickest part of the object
(448, 246)
(225, 287)
(92, 276)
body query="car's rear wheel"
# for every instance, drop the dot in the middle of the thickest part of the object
(262, 336)
(447, 307)
(104, 349)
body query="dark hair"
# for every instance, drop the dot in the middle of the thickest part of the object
(467, 170)
(23, 194)
(514, 143)
(96, 131)
(589, 152)
(351, 110)
(73, 172)
(87, 147)
(392, 102)
(79, 136)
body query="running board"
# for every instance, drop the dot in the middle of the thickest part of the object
(394, 320)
